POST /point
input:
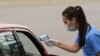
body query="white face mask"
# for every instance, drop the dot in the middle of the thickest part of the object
(69, 28)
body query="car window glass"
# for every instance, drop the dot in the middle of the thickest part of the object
(28, 45)
(8, 44)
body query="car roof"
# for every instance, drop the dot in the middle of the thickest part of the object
(12, 25)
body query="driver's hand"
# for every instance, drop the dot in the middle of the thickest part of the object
(51, 42)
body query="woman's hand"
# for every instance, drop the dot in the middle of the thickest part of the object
(52, 42)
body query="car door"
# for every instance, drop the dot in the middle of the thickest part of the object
(9, 45)
(30, 44)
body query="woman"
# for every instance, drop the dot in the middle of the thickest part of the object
(88, 37)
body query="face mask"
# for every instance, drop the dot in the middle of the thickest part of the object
(70, 28)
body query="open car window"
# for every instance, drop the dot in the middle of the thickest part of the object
(29, 47)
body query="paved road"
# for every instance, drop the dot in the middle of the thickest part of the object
(48, 20)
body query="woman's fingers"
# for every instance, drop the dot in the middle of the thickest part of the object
(51, 42)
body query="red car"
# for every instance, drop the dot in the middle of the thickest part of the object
(18, 40)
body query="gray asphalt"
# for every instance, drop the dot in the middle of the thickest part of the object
(47, 19)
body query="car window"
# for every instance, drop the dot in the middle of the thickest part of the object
(8, 44)
(28, 45)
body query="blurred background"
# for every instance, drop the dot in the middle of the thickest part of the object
(44, 17)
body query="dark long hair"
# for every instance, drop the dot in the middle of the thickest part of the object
(77, 12)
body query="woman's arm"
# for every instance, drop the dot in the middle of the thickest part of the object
(71, 48)
(98, 54)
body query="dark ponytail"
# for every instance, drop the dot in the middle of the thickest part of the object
(82, 25)
(81, 20)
